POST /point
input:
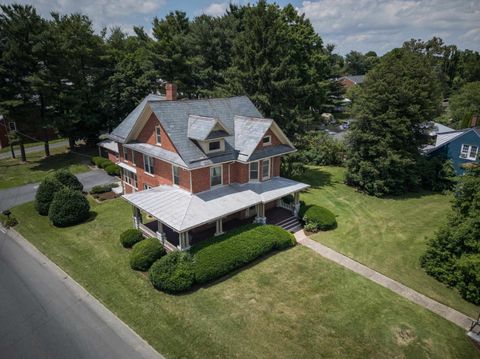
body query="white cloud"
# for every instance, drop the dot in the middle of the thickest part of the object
(215, 9)
(381, 25)
(123, 13)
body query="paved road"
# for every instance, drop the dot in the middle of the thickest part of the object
(33, 149)
(442, 310)
(45, 314)
(14, 196)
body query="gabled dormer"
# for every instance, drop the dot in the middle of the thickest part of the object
(208, 133)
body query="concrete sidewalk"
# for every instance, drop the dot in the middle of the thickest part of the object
(18, 195)
(32, 149)
(448, 313)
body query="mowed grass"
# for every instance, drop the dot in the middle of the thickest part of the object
(31, 144)
(293, 304)
(388, 235)
(14, 172)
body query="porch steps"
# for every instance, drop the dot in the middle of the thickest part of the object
(291, 224)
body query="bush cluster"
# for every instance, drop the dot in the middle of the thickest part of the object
(45, 193)
(318, 218)
(173, 273)
(68, 179)
(68, 207)
(223, 254)
(145, 253)
(101, 162)
(102, 188)
(131, 237)
(112, 170)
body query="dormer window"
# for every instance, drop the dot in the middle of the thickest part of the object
(267, 140)
(214, 146)
(158, 135)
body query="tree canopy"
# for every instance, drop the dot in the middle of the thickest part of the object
(385, 141)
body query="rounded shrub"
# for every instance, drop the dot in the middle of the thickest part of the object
(96, 159)
(145, 253)
(131, 237)
(173, 273)
(45, 193)
(68, 208)
(105, 163)
(113, 170)
(68, 179)
(319, 219)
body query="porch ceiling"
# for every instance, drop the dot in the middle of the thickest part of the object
(183, 211)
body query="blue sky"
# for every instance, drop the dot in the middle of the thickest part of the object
(362, 25)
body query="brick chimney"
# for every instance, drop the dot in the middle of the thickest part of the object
(171, 92)
(474, 122)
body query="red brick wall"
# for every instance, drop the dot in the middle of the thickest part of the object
(147, 134)
(201, 180)
(274, 140)
(226, 169)
(184, 179)
(239, 173)
(112, 156)
(276, 166)
(346, 83)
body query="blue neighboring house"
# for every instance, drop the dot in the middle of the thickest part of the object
(460, 146)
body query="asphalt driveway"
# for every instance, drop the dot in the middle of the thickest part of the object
(14, 196)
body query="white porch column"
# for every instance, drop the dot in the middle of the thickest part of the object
(137, 217)
(183, 241)
(260, 218)
(160, 232)
(219, 227)
(296, 203)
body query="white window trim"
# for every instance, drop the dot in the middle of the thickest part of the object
(468, 154)
(146, 186)
(221, 176)
(126, 174)
(158, 128)
(269, 140)
(146, 159)
(125, 153)
(269, 169)
(222, 146)
(173, 176)
(250, 179)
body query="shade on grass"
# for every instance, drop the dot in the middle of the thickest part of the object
(388, 235)
(14, 173)
(293, 304)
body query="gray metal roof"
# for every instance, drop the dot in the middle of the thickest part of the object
(121, 132)
(199, 127)
(182, 210)
(358, 79)
(158, 152)
(109, 145)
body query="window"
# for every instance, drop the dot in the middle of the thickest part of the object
(125, 153)
(176, 177)
(215, 176)
(469, 152)
(158, 135)
(266, 169)
(130, 178)
(253, 171)
(146, 186)
(12, 126)
(214, 146)
(148, 164)
(267, 140)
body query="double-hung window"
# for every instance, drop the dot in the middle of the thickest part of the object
(148, 164)
(266, 169)
(469, 152)
(176, 175)
(125, 154)
(215, 176)
(253, 171)
(158, 135)
(130, 178)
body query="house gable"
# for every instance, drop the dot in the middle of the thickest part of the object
(147, 134)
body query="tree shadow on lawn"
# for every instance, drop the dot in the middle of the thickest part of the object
(58, 161)
(316, 178)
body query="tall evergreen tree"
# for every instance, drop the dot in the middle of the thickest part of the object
(398, 96)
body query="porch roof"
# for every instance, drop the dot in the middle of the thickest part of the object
(182, 210)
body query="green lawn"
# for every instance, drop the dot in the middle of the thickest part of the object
(388, 235)
(13, 172)
(31, 144)
(293, 304)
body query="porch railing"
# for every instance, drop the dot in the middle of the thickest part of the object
(287, 206)
(146, 230)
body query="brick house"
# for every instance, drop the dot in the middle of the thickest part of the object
(195, 165)
(349, 81)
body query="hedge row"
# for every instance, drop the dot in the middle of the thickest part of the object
(145, 253)
(173, 273)
(111, 168)
(130, 237)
